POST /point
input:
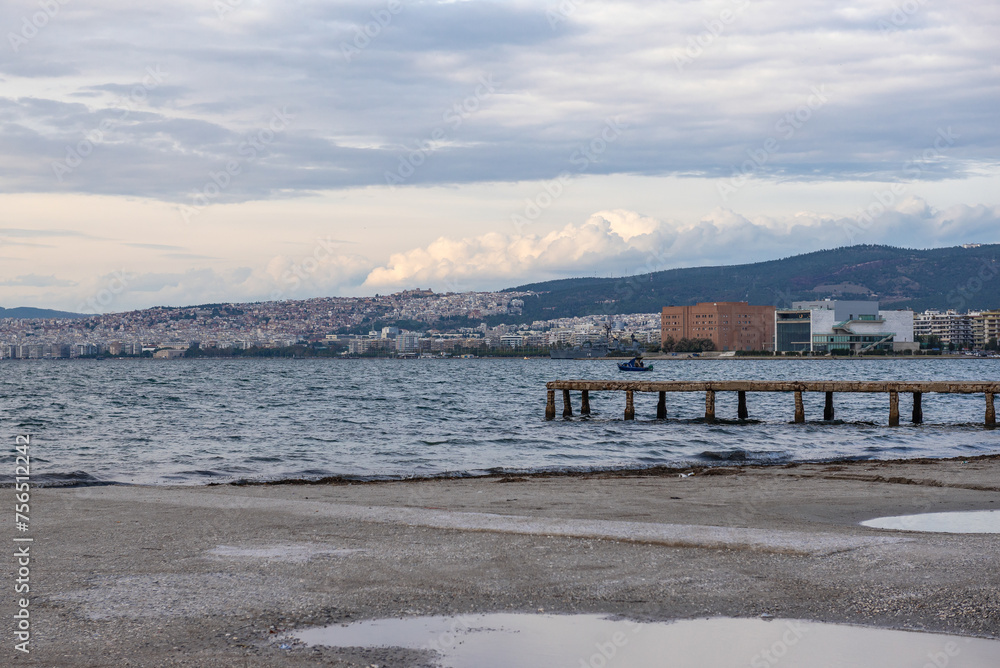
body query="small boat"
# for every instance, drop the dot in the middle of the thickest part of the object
(634, 364)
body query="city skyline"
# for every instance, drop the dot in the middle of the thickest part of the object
(441, 323)
(239, 151)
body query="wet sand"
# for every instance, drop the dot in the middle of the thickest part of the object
(214, 576)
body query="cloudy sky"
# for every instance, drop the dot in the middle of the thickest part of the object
(194, 151)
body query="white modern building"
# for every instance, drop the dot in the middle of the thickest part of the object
(829, 325)
(511, 341)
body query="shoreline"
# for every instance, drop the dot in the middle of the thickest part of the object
(610, 472)
(712, 355)
(219, 575)
(653, 471)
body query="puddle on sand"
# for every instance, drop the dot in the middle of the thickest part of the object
(593, 641)
(974, 521)
(287, 552)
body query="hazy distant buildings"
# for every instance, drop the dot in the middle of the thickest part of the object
(169, 354)
(511, 341)
(407, 342)
(729, 325)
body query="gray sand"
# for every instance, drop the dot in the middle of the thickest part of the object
(213, 576)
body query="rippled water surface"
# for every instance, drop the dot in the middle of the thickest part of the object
(541, 641)
(971, 521)
(199, 421)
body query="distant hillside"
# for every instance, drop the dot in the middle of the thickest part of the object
(960, 278)
(27, 313)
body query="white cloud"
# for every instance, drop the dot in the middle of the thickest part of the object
(626, 242)
(496, 257)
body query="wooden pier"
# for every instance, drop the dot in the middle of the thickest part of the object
(741, 387)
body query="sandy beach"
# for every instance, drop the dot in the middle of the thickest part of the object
(216, 576)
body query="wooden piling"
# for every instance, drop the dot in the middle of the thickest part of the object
(661, 407)
(585, 402)
(917, 388)
(893, 409)
(741, 411)
(629, 405)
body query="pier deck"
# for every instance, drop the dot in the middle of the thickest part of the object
(741, 387)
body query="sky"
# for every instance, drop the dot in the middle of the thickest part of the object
(198, 151)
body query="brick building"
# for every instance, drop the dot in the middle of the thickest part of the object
(730, 325)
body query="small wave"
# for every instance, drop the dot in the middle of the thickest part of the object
(745, 456)
(72, 479)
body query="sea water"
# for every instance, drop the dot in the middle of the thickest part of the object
(201, 421)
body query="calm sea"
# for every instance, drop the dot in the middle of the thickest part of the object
(200, 421)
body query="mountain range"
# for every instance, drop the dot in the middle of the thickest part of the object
(961, 277)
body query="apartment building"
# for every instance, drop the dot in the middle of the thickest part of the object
(950, 327)
(985, 328)
(730, 325)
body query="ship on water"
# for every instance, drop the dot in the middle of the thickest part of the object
(595, 349)
(586, 351)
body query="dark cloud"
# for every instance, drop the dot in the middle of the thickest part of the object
(696, 103)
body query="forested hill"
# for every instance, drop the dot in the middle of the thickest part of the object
(29, 312)
(959, 278)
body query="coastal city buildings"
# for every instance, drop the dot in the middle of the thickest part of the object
(949, 327)
(423, 322)
(987, 324)
(729, 325)
(242, 326)
(447, 322)
(973, 330)
(839, 325)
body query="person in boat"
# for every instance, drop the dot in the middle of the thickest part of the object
(636, 362)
